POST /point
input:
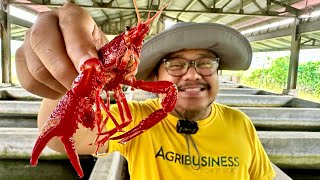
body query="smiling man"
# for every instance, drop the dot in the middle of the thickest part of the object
(194, 71)
(199, 139)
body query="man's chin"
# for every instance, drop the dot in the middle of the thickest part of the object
(191, 108)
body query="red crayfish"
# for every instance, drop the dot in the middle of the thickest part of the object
(117, 64)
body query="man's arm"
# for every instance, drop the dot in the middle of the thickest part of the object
(55, 47)
(50, 58)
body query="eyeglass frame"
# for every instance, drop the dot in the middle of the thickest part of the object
(193, 64)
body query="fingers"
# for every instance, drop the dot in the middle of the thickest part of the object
(99, 38)
(54, 49)
(50, 48)
(38, 70)
(77, 26)
(27, 81)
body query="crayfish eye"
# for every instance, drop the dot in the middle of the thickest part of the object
(127, 30)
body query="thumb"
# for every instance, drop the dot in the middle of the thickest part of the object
(81, 35)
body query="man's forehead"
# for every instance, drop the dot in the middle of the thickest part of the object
(198, 52)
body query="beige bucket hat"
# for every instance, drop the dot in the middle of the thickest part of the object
(229, 45)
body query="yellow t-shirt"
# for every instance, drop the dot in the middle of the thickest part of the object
(227, 142)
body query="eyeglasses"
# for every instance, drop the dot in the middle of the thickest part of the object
(204, 66)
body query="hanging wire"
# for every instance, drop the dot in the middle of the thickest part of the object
(187, 137)
(185, 115)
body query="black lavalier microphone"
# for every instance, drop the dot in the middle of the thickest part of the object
(187, 127)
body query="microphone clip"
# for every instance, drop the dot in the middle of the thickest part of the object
(187, 127)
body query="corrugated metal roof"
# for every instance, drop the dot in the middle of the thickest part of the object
(113, 15)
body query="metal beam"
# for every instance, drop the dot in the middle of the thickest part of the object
(5, 44)
(210, 11)
(203, 4)
(268, 7)
(96, 4)
(303, 28)
(256, 49)
(186, 7)
(309, 27)
(214, 5)
(20, 22)
(289, 8)
(259, 7)
(269, 35)
(238, 8)
(294, 60)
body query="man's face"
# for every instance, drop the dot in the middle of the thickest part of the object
(196, 91)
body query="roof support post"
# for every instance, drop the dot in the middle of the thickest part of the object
(5, 44)
(294, 60)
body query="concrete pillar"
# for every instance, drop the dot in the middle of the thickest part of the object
(294, 60)
(5, 44)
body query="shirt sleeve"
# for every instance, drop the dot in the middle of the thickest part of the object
(261, 167)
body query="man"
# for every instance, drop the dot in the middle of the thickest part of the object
(217, 142)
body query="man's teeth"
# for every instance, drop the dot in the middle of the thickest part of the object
(193, 90)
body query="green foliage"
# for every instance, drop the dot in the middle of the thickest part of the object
(274, 77)
(309, 77)
(278, 72)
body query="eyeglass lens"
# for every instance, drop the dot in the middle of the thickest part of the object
(205, 66)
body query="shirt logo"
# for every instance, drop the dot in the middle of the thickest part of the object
(202, 161)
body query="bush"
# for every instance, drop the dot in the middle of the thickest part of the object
(275, 77)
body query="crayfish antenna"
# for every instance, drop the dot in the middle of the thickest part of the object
(160, 11)
(137, 11)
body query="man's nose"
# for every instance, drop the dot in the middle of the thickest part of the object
(192, 74)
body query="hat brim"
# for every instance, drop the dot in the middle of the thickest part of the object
(228, 44)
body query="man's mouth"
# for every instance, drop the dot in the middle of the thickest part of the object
(192, 89)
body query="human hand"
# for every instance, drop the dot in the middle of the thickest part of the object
(54, 49)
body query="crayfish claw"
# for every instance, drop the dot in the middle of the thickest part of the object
(40, 145)
(72, 154)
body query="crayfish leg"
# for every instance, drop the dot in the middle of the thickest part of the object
(100, 142)
(123, 107)
(144, 125)
(98, 115)
(168, 103)
(72, 154)
(40, 144)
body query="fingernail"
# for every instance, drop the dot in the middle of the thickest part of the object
(89, 55)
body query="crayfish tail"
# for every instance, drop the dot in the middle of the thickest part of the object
(72, 154)
(40, 144)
